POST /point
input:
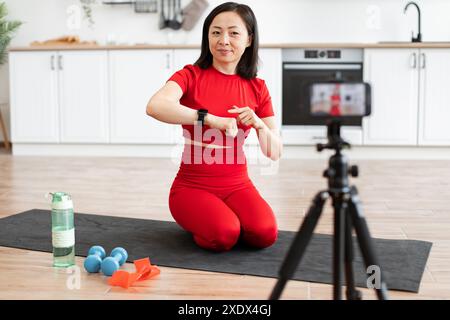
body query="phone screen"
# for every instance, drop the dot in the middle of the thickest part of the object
(340, 99)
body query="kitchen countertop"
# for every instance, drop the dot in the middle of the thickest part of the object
(385, 44)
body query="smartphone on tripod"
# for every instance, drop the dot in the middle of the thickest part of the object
(339, 100)
(336, 102)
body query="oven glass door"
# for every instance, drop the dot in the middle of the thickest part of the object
(296, 79)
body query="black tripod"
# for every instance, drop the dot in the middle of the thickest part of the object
(347, 215)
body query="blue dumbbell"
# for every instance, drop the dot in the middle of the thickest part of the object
(112, 263)
(93, 262)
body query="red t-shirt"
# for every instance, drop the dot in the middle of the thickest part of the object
(217, 92)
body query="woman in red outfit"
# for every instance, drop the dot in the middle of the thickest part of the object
(335, 109)
(218, 100)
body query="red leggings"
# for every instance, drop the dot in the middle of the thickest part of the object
(218, 204)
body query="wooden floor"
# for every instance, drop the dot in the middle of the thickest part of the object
(401, 200)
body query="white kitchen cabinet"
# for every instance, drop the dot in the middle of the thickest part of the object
(410, 100)
(34, 97)
(83, 92)
(434, 105)
(59, 96)
(394, 78)
(135, 75)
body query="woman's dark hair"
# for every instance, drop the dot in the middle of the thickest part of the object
(248, 64)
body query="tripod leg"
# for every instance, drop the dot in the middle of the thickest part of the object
(340, 208)
(364, 239)
(352, 293)
(299, 244)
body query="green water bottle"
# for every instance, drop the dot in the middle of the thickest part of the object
(63, 230)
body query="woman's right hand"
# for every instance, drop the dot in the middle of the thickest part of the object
(229, 125)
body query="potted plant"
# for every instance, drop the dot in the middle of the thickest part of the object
(7, 29)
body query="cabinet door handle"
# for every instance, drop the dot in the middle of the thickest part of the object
(422, 61)
(60, 62)
(52, 62)
(413, 60)
(168, 61)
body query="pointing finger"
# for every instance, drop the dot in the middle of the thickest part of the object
(236, 110)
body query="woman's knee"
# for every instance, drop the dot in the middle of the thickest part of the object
(221, 240)
(262, 236)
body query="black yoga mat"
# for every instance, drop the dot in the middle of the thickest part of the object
(402, 261)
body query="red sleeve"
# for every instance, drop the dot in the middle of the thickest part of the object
(184, 77)
(265, 108)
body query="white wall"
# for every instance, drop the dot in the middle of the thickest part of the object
(280, 21)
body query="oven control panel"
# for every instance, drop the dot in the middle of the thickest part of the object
(296, 55)
(330, 54)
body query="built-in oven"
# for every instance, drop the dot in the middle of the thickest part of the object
(302, 67)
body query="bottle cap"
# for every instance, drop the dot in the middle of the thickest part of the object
(61, 200)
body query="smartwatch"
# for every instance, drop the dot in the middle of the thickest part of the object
(201, 116)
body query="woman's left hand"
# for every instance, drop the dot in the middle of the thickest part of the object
(247, 117)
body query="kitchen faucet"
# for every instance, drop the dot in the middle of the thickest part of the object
(419, 35)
